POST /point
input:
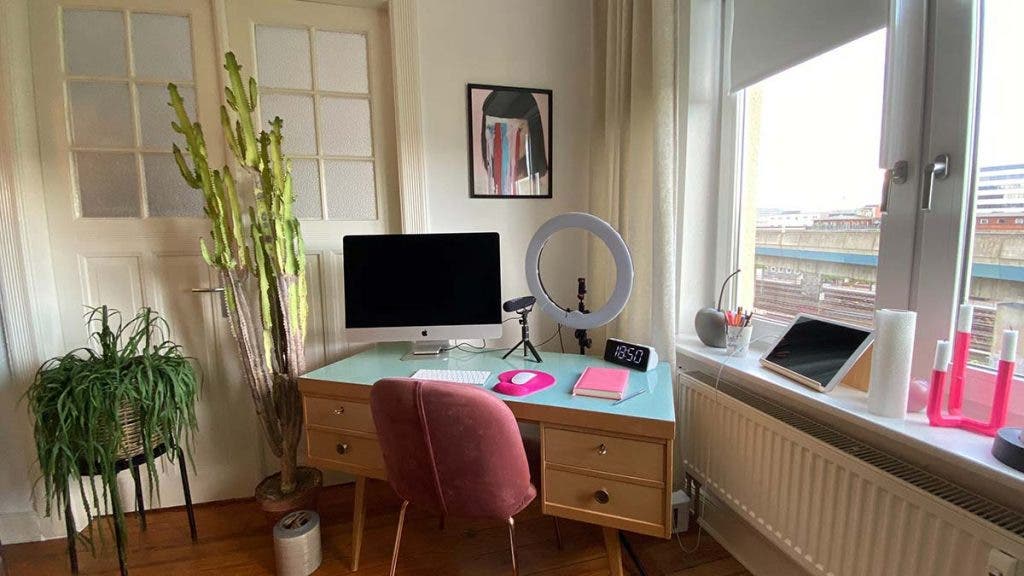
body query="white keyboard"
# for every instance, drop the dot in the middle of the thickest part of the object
(458, 376)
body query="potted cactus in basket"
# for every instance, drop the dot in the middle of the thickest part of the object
(261, 260)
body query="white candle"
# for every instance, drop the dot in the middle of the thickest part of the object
(1009, 346)
(965, 319)
(943, 352)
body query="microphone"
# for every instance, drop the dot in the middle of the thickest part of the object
(518, 303)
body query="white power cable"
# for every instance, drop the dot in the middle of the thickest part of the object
(718, 380)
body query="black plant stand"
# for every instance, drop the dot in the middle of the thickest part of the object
(128, 463)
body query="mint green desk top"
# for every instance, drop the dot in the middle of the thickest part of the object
(385, 361)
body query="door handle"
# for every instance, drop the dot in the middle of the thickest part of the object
(895, 175)
(937, 170)
(217, 290)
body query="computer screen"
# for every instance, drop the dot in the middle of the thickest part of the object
(421, 280)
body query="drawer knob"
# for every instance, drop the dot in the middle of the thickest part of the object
(601, 496)
(602, 449)
(342, 448)
(339, 410)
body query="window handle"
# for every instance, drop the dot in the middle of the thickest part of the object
(937, 170)
(895, 175)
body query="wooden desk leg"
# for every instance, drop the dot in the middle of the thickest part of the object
(358, 520)
(614, 548)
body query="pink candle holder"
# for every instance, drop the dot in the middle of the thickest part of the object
(1004, 381)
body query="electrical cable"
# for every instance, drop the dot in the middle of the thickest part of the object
(718, 380)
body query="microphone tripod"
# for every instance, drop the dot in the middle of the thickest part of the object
(524, 341)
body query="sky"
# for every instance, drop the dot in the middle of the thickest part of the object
(821, 120)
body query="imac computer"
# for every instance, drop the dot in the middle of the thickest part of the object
(423, 288)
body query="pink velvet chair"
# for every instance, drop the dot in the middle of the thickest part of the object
(452, 449)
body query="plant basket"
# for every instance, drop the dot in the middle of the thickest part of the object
(132, 441)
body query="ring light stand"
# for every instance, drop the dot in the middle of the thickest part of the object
(623, 267)
(579, 319)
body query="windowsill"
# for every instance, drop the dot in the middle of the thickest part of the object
(969, 454)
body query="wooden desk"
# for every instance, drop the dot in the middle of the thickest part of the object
(602, 463)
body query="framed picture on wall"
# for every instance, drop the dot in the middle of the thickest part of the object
(509, 141)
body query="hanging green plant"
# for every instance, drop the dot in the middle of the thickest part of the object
(131, 390)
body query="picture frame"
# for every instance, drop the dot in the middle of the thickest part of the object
(504, 126)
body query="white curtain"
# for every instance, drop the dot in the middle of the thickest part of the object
(633, 160)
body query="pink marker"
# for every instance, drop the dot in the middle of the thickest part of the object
(961, 355)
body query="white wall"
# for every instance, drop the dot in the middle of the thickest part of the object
(526, 43)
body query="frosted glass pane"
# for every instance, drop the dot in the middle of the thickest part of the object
(306, 185)
(101, 114)
(108, 184)
(155, 115)
(162, 46)
(297, 112)
(282, 57)
(345, 127)
(341, 62)
(351, 191)
(166, 192)
(94, 43)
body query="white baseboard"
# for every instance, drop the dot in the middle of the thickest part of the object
(30, 527)
(744, 542)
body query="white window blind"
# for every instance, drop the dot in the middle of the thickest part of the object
(769, 36)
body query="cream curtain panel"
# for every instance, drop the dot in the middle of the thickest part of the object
(633, 174)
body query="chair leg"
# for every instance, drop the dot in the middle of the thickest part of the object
(398, 537)
(188, 496)
(140, 505)
(558, 534)
(118, 519)
(512, 545)
(69, 524)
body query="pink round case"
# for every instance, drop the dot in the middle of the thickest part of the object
(540, 381)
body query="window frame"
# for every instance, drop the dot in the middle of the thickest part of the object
(896, 268)
(915, 245)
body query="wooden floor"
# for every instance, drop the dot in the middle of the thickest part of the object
(234, 539)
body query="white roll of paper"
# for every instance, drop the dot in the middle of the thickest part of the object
(890, 362)
(297, 543)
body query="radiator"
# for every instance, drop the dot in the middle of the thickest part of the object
(835, 505)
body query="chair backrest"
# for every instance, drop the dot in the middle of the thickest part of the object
(451, 448)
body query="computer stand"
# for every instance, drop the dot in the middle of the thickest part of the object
(429, 347)
(528, 348)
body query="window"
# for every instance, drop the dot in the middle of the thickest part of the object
(326, 100)
(119, 127)
(816, 111)
(994, 253)
(810, 234)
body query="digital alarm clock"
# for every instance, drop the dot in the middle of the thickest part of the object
(635, 356)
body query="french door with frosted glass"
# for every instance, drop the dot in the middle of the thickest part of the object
(125, 229)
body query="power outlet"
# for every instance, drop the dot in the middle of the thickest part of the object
(1002, 564)
(681, 512)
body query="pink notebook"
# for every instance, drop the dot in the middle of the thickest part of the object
(602, 383)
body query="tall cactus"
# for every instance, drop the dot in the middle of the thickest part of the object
(268, 258)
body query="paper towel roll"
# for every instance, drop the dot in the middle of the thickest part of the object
(890, 362)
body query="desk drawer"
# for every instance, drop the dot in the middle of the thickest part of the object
(340, 414)
(345, 450)
(606, 502)
(636, 458)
